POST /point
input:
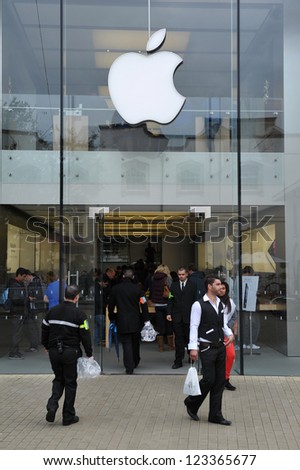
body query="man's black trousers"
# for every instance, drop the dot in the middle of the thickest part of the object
(181, 331)
(64, 366)
(213, 381)
(131, 350)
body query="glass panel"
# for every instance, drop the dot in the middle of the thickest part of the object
(268, 148)
(29, 171)
(154, 174)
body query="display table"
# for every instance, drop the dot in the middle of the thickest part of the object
(271, 307)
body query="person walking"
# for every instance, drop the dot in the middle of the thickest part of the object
(160, 280)
(127, 306)
(230, 319)
(64, 328)
(183, 293)
(208, 328)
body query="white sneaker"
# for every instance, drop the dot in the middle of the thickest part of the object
(246, 346)
(236, 347)
(254, 346)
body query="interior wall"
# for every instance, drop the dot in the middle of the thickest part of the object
(176, 255)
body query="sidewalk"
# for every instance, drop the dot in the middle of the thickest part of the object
(146, 412)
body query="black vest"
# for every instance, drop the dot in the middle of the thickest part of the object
(211, 325)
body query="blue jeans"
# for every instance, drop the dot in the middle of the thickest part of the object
(99, 329)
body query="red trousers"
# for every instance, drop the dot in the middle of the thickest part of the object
(230, 356)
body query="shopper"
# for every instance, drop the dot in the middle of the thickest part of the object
(17, 296)
(207, 329)
(230, 318)
(183, 294)
(160, 284)
(127, 306)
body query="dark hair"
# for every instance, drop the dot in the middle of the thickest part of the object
(21, 272)
(174, 275)
(248, 270)
(225, 298)
(51, 276)
(192, 267)
(182, 268)
(210, 279)
(71, 292)
(128, 273)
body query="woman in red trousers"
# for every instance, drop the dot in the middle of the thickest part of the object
(230, 318)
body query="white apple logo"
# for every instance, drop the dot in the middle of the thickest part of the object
(142, 88)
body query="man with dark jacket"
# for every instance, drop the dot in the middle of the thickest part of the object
(18, 297)
(35, 305)
(197, 277)
(63, 329)
(131, 307)
(183, 295)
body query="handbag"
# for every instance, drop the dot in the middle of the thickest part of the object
(191, 385)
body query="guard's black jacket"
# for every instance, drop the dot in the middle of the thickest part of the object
(66, 323)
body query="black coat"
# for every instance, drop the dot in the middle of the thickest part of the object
(131, 310)
(197, 278)
(181, 301)
(17, 295)
(67, 323)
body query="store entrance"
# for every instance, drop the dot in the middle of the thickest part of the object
(144, 240)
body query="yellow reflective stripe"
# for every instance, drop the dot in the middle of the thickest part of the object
(85, 325)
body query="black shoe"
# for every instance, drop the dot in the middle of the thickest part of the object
(129, 371)
(176, 366)
(229, 386)
(50, 416)
(73, 421)
(224, 422)
(192, 415)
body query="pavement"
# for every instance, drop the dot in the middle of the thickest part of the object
(146, 412)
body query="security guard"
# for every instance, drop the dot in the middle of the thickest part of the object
(63, 329)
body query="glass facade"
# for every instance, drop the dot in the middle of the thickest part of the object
(82, 190)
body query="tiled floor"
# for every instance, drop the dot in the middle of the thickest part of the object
(147, 412)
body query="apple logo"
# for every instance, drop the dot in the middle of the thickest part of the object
(141, 86)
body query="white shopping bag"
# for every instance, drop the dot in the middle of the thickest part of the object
(87, 368)
(191, 384)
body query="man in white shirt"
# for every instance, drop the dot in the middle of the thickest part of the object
(207, 329)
